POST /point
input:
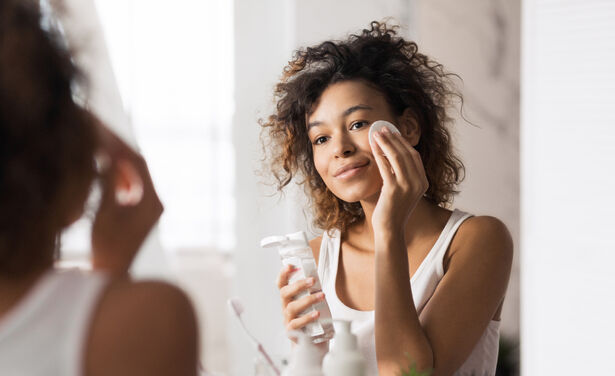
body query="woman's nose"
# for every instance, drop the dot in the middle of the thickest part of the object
(344, 147)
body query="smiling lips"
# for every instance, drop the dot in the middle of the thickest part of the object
(349, 170)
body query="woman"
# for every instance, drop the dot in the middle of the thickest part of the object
(383, 207)
(55, 322)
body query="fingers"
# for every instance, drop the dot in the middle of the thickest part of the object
(124, 174)
(302, 321)
(284, 276)
(288, 292)
(383, 164)
(292, 309)
(128, 184)
(296, 307)
(111, 146)
(396, 153)
(149, 192)
(416, 162)
(405, 160)
(393, 156)
(292, 312)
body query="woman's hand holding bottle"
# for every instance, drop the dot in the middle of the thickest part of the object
(292, 309)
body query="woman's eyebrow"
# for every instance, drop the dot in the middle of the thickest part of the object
(313, 124)
(356, 108)
(346, 113)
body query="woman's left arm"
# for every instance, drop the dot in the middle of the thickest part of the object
(470, 293)
(463, 303)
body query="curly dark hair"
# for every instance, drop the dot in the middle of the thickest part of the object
(47, 141)
(407, 79)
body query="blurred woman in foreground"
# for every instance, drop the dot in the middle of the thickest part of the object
(69, 322)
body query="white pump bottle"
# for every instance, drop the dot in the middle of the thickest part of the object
(295, 250)
(344, 358)
(306, 359)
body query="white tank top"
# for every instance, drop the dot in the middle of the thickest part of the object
(482, 361)
(45, 333)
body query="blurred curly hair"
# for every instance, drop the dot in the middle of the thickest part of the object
(47, 141)
(407, 78)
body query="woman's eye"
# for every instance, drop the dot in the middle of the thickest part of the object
(358, 125)
(320, 140)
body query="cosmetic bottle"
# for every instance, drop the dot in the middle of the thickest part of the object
(295, 250)
(306, 359)
(344, 357)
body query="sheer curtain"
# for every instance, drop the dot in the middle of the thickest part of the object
(172, 67)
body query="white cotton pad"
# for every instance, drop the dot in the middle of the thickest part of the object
(378, 125)
(128, 185)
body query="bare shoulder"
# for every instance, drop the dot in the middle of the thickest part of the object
(485, 237)
(143, 328)
(315, 245)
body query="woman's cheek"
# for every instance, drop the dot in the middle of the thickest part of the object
(321, 166)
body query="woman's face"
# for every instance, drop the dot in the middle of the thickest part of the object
(338, 130)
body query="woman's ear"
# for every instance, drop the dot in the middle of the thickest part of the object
(410, 127)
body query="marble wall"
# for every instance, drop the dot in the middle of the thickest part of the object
(480, 41)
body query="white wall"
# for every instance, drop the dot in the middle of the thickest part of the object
(261, 49)
(568, 154)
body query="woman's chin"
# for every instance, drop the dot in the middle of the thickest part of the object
(360, 195)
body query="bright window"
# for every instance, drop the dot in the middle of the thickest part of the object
(173, 62)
